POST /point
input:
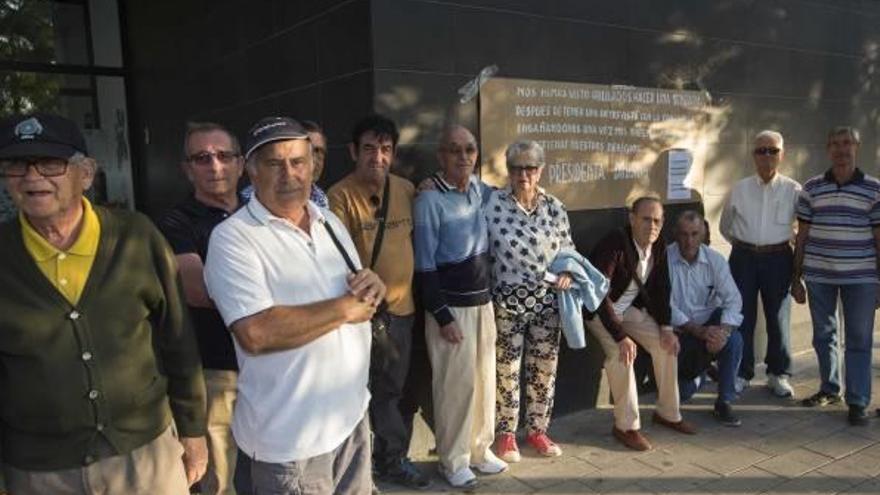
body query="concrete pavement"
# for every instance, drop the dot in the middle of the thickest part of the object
(781, 448)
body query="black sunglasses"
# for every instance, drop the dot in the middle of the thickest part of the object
(205, 158)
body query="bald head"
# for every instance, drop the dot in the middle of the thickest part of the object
(457, 153)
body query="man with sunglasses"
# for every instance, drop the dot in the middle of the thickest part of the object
(837, 253)
(213, 164)
(758, 221)
(101, 381)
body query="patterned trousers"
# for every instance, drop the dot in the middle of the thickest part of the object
(536, 341)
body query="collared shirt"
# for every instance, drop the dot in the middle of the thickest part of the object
(643, 269)
(701, 287)
(67, 270)
(297, 403)
(760, 213)
(188, 227)
(524, 243)
(452, 247)
(316, 195)
(840, 245)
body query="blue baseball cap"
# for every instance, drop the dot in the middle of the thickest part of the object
(271, 129)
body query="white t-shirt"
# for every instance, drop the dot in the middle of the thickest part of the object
(298, 403)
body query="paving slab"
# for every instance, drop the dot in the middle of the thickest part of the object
(811, 484)
(731, 459)
(839, 445)
(749, 480)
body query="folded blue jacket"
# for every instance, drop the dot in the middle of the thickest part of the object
(588, 288)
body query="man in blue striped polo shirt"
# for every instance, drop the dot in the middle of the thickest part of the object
(838, 242)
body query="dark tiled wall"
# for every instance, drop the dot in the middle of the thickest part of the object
(234, 61)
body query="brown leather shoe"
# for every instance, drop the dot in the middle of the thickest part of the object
(681, 426)
(631, 438)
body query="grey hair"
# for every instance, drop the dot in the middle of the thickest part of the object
(648, 198)
(690, 216)
(447, 131)
(767, 133)
(522, 147)
(81, 159)
(845, 129)
(251, 162)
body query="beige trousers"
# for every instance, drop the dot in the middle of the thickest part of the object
(463, 387)
(151, 469)
(222, 452)
(642, 328)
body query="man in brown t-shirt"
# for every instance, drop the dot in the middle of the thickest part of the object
(357, 200)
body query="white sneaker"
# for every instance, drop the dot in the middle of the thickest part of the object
(779, 385)
(740, 384)
(463, 478)
(491, 464)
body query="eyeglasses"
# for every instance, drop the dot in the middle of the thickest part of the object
(205, 158)
(523, 169)
(47, 167)
(767, 151)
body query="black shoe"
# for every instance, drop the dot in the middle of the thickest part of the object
(724, 414)
(405, 473)
(857, 415)
(820, 399)
(712, 373)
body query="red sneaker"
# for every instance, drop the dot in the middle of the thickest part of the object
(506, 449)
(542, 443)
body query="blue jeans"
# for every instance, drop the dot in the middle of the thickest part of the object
(767, 274)
(858, 315)
(728, 363)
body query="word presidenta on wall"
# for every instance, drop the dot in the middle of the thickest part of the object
(603, 144)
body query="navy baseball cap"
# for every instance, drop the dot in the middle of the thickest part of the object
(40, 135)
(271, 129)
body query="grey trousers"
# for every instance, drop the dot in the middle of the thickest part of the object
(346, 470)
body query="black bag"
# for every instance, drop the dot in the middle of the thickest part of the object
(380, 323)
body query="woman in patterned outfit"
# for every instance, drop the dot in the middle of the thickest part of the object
(527, 228)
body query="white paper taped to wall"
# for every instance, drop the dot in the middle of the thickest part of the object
(678, 182)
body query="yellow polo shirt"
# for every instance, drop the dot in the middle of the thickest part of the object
(67, 270)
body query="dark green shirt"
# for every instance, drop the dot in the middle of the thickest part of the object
(112, 369)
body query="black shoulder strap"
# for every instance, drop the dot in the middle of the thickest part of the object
(381, 217)
(339, 246)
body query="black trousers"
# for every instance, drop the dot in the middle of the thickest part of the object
(391, 434)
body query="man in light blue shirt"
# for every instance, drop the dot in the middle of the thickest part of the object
(706, 310)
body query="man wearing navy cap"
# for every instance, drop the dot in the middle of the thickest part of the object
(299, 316)
(96, 348)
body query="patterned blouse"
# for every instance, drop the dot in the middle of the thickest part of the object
(523, 244)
